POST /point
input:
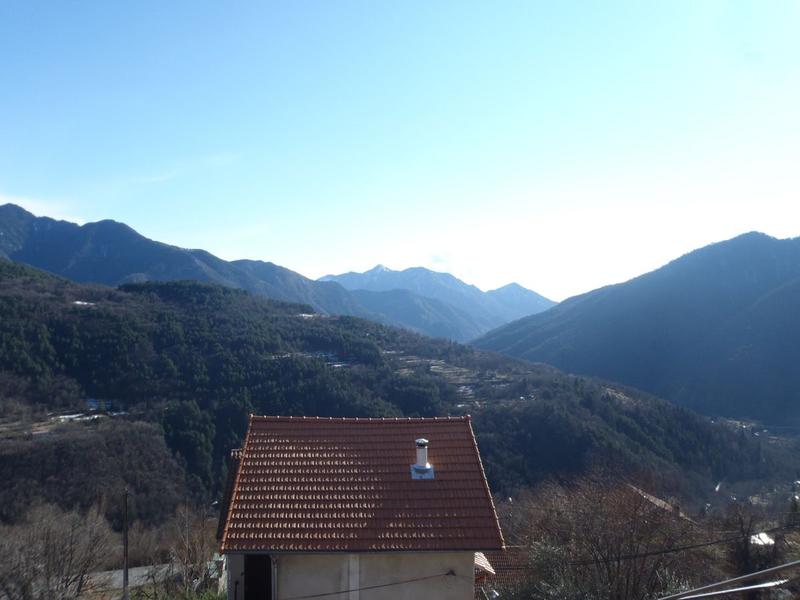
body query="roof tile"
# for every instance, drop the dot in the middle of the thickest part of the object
(309, 484)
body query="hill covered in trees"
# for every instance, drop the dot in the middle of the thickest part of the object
(79, 466)
(715, 330)
(195, 359)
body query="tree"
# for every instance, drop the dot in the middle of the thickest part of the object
(752, 549)
(51, 554)
(597, 540)
(186, 576)
(193, 548)
(190, 432)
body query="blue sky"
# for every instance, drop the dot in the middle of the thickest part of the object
(563, 145)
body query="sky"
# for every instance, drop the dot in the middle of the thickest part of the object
(561, 145)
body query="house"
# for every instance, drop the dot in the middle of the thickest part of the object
(356, 509)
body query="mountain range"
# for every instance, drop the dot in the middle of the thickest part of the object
(487, 310)
(716, 330)
(112, 253)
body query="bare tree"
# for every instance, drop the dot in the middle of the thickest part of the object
(147, 545)
(601, 541)
(52, 553)
(193, 548)
(186, 573)
(16, 577)
(752, 549)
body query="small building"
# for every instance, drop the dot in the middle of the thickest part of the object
(356, 509)
(501, 573)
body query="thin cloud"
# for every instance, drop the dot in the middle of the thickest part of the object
(43, 208)
(183, 168)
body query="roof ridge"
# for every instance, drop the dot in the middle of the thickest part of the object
(294, 419)
(486, 485)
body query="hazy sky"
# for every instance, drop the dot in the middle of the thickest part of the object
(562, 145)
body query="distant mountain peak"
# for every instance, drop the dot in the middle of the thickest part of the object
(755, 235)
(485, 309)
(15, 208)
(379, 268)
(512, 286)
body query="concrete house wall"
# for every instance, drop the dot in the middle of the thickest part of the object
(301, 575)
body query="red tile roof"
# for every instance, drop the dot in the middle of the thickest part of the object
(512, 569)
(307, 484)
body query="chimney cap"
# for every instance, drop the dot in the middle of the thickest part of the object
(421, 443)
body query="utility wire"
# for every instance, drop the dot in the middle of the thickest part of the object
(450, 573)
(668, 550)
(741, 579)
(739, 590)
(678, 548)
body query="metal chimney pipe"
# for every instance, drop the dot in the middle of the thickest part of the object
(422, 469)
(422, 454)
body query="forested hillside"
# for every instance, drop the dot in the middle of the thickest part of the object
(195, 359)
(78, 466)
(715, 330)
(112, 253)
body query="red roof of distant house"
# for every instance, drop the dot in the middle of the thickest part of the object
(512, 569)
(307, 484)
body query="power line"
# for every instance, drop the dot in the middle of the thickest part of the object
(662, 552)
(739, 590)
(740, 579)
(678, 548)
(450, 573)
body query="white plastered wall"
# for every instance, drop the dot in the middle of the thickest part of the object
(417, 575)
